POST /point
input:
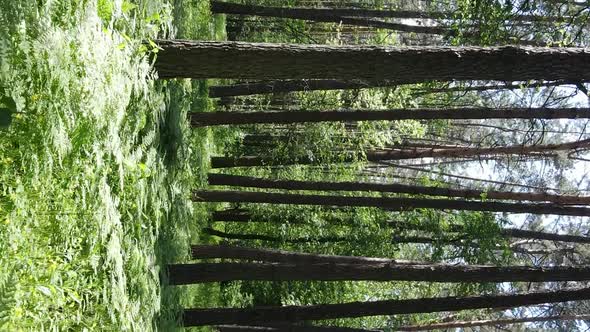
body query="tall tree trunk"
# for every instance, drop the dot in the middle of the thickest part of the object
(280, 256)
(268, 314)
(288, 328)
(536, 235)
(408, 153)
(219, 7)
(231, 215)
(524, 85)
(254, 182)
(245, 89)
(490, 322)
(268, 238)
(322, 15)
(202, 59)
(333, 14)
(183, 274)
(507, 232)
(388, 203)
(233, 118)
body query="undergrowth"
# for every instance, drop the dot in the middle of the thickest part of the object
(97, 166)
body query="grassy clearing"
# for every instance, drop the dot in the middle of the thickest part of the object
(97, 166)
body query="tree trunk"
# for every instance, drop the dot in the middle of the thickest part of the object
(407, 153)
(183, 274)
(253, 182)
(234, 118)
(490, 322)
(388, 203)
(507, 232)
(322, 15)
(288, 328)
(526, 234)
(524, 85)
(268, 314)
(283, 86)
(202, 59)
(280, 256)
(268, 238)
(232, 215)
(219, 7)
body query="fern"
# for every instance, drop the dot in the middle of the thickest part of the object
(7, 297)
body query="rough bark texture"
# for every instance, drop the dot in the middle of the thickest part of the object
(268, 238)
(323, 15)
(254, 182)
(202, 59)
(388, 203)
(182, 274)
(219, 7)
(200, 317)
(288, 328)
(233, 118)
(408, 153)
(490, 322)
(280, 256)
(245, 89)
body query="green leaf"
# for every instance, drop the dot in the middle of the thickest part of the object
(5, 117)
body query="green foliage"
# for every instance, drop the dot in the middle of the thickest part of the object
(95, 169)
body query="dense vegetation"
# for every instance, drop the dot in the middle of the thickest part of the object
(104, 182)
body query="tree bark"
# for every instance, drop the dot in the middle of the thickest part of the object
(268, 314)
(490, 322)
(235, 118)
(388, 203)
(526, 234)
(254, 182)
(231, 215)
(219, 7)
(283, 86)
(202, 59)
(183, 274)
(525, 85)
(324, 15)
(268, 238)
(288, 328)
(407, 153)
(280, 256)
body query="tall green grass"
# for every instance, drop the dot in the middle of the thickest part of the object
(96, 169)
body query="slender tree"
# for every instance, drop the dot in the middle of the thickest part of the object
(282, 86)
(255, 182)
(226, 118)
(280, 256)
(324, 15)
(491, 322)
(388, 203)
(410, 153)
(201, 59)
(507, 232)
(276, 239)
(268, 314)
(288, 328)
(182, 274)
(505, 86)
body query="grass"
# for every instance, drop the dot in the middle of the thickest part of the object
(97, 167)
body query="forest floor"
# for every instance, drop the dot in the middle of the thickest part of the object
(97, 168)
